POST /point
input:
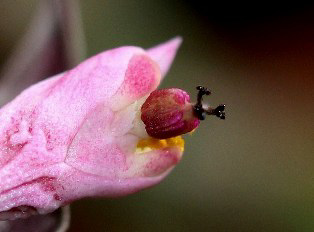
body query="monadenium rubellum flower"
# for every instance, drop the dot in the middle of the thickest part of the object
(100, 129)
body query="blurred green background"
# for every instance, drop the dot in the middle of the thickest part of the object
(252, 172)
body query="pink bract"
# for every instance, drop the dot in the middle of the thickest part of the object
(72, 135)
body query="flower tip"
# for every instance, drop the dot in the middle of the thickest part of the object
(164, 53)
(175, 42)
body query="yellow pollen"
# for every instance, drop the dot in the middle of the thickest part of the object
(149, 144)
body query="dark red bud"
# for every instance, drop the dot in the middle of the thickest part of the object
(168, 113)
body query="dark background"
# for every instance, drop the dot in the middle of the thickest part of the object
(255, 170)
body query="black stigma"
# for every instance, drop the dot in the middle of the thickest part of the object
(200, 112)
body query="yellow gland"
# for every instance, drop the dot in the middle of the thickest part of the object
(145, 145)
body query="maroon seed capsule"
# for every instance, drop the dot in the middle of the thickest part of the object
(168, 113)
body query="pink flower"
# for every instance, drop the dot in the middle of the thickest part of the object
(79, 134)
(100, 129)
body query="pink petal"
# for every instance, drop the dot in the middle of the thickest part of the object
(164, 54)
(71, 136)
(141, 78)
